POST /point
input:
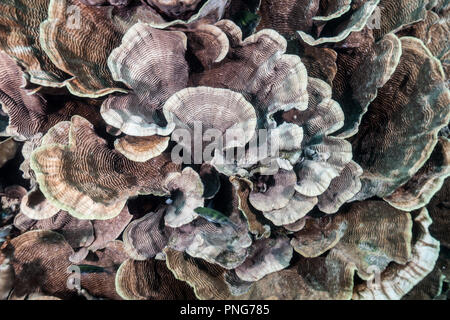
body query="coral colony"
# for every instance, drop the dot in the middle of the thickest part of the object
(224, 149)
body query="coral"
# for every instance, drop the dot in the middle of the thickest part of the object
(145, 238)
(41, 111)
(224, 149)
(332, 22)
(150, 280)
(416, 103)
(141, 149)
(419, 190)
(424, 255)
(8, 149)
(147, 45)
(45, 271)
(20, 38)
(89, 194)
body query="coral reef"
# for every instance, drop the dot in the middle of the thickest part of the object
(224, 149)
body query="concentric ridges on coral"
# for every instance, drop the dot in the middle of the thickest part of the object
(224, 149)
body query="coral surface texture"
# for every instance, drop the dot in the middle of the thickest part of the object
(224, 149)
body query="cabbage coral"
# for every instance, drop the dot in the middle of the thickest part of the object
(224, 149)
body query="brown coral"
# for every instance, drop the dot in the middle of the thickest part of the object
(216, 149)
(72, 180)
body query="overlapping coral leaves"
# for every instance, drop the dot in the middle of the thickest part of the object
(355, 98)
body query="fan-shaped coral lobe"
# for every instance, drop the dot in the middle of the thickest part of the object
(223, 110)
(432, 30)
(104, 2)
(94, 187)
(418, 100)
(142, 53)
(250, 67)
(32, 266)
(224, 149)
(369, 75)
(268, 256)
(206, 279)
(46, 271)
(208, 43)
(14, 99)
(317, 22)
(356, 22)
(19, 38)
(289, 16)
(141, 149)
(419, 190)
(67, 38)
(175, 7)
(424, 255)
(40, 111)
(305, 102)
(186, 190)
(188, 13)
(145, 238)
(158, 283)
(396, 14)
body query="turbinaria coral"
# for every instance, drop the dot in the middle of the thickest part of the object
(224, 149)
